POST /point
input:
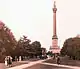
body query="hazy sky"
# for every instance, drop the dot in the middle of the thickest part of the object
(34, 18)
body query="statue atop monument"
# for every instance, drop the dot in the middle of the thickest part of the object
(54, 4)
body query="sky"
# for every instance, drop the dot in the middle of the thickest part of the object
(34, 18)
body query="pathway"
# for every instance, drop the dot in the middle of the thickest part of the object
(41, 62)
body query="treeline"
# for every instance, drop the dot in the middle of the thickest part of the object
(71, 48)
(26, 48)
(9, 46)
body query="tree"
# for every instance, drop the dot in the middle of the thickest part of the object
(23, 46)
(36, 48)
(71, 48)
(50, 53)
(7, 41)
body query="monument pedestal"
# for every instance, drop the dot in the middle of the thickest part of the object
(55, 48)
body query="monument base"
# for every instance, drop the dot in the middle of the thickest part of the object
(56, 50)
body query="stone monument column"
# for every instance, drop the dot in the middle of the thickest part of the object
(54, 20)
(54, 48)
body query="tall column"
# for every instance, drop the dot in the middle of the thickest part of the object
(54, 48)
(54, 21)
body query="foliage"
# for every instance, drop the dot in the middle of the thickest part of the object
(71, 48)
(50, 53)
(10, 47)
(7, 41)
(36, 48)
(23, 46)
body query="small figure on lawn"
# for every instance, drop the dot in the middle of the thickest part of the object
(58, 60)
(9, 61)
